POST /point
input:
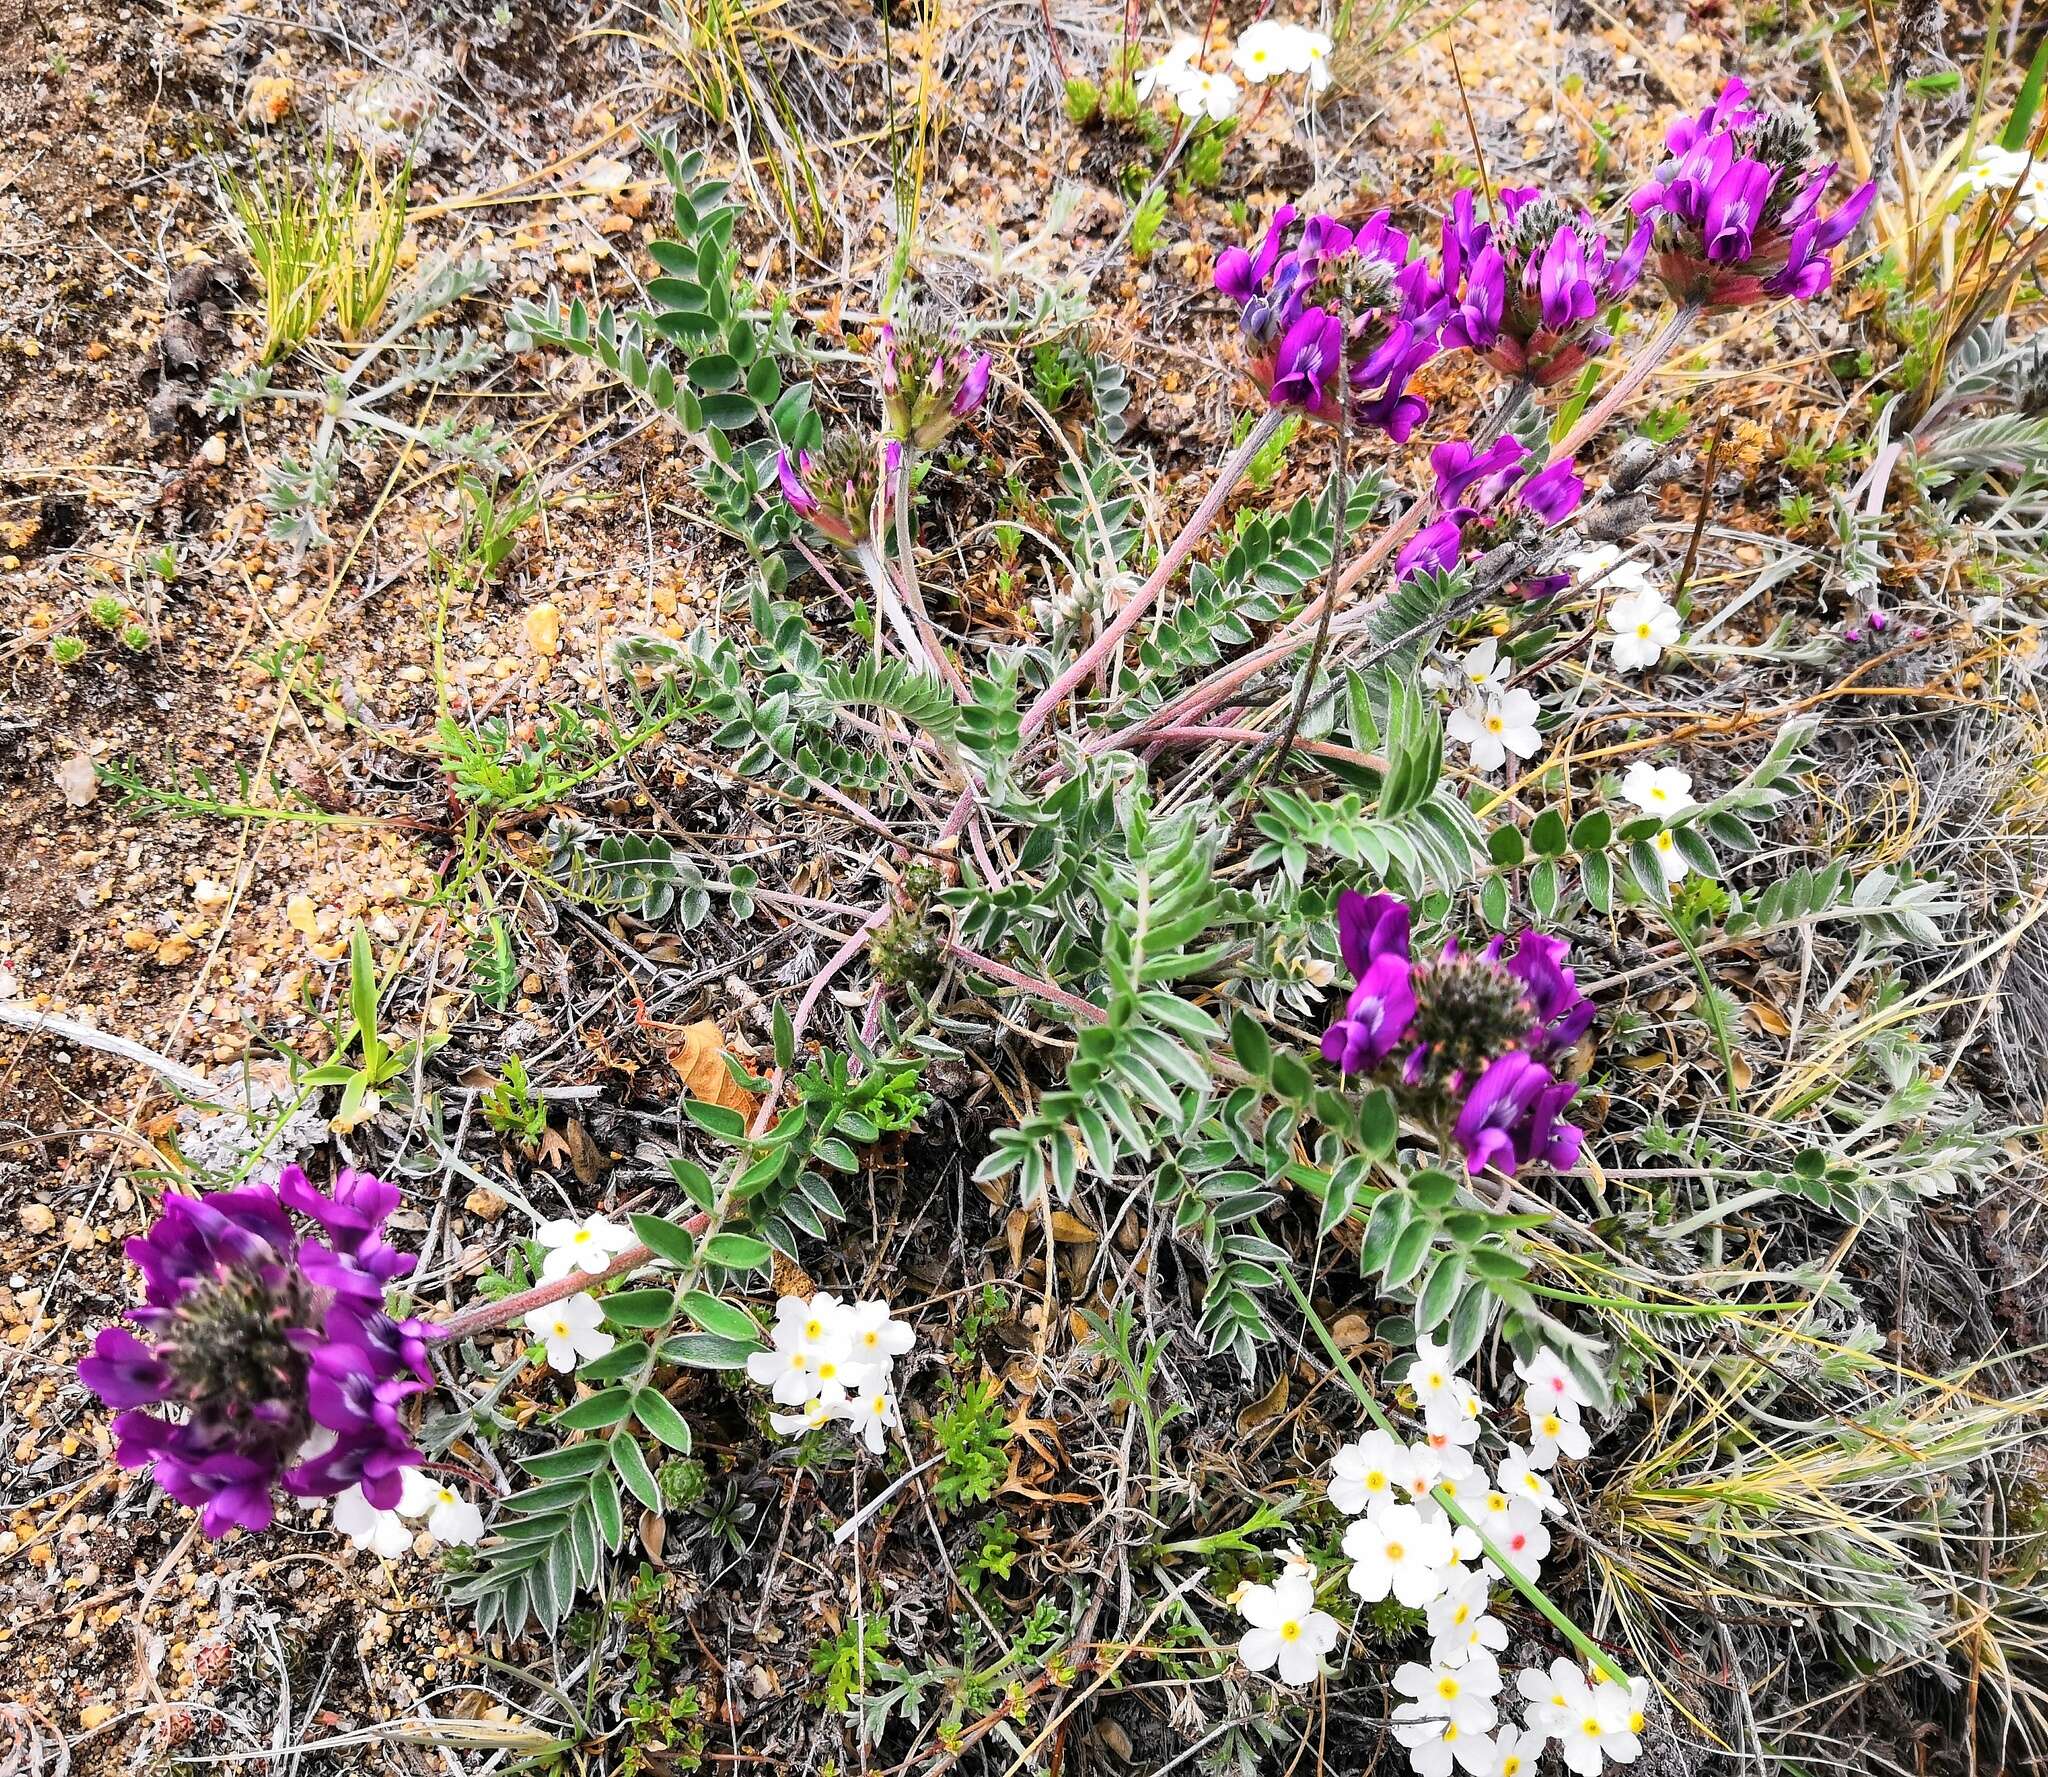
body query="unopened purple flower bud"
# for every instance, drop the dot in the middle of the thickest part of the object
(931, 380)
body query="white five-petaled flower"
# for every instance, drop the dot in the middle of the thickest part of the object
(1553, 1696)
(1660, 790)
(1458, 1624)
(1213, 96)
(1493, 726)
(450, 1518)
(1287, 1631)
(1445, 1397)
(570, 1330)
(1552, 1435)
(1992, 168)
(589, 1245)
(383, 1532)
(1399, 1551)
(1519, 1478)
(1515, 1752)
(1602, 569)
(1435, 1745)
(871, 1414)
(1174, 70)
(1482, 670)
(1270, 48)
(1515, 1527)
(1367, 1474)
(872, 1336)
(1644, 625)
(1462, 1694)
(1591, 1723)
(1548, 1375)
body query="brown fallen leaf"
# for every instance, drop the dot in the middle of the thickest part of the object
(699, 1061)
(1268, 1407)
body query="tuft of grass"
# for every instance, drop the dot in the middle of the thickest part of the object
(371, 223)
(288, 227)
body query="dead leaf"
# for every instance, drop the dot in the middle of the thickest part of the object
(586, 1159)
(1767, 1017)
(1070, 1230)
(78, 781)
(653, 1533)
(1260, 1411)
(699, 1061)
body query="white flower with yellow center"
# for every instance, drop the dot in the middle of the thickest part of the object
(1458, 1624)
(1462, 1695)
(1398, 1551)
(1661, 790)
(1370, 1473)
(570, 1331)
(1552, 1435)
(1490, 728)
(1643, 626)
(589, 1245)
(1286, 1630)
(1519, 1478)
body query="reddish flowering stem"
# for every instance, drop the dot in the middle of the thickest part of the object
(485, 1317)
(1143, 599)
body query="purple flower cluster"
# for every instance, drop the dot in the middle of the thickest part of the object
(273, 1346)
(1359, 303)
(931, 379)
(1526, 296)
(1737, 206)
(1479, 1036)
(844, 488)
(1485, 494)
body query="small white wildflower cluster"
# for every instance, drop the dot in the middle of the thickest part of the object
(1268, 50)
(1271, 49)
(1180, 76)
(1997, 170)
(1494, 720)
(833, 1361)
(1662, 790)
(1405, 1547)
(449, 1518)
(571, 1331)
(1642, 622)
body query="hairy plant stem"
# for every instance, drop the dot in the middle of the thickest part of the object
(1220, 686)
(1141, 601)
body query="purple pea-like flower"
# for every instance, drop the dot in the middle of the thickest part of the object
(1563, 1014)
(1499, 1101)
(1370, 927)
(271, 1347)
(1737, 206)
(1526, 295)
(844, 487)
(1382, 298)
(1486, 492)
(1376, 1017)
(1308, 363)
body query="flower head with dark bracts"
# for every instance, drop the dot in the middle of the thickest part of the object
(1483, 497)
(1526, 296)
(844, 488)
(931, 378)
(1737, 205)
(1360, 303)
(1468, 1041)
(272, 1347)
